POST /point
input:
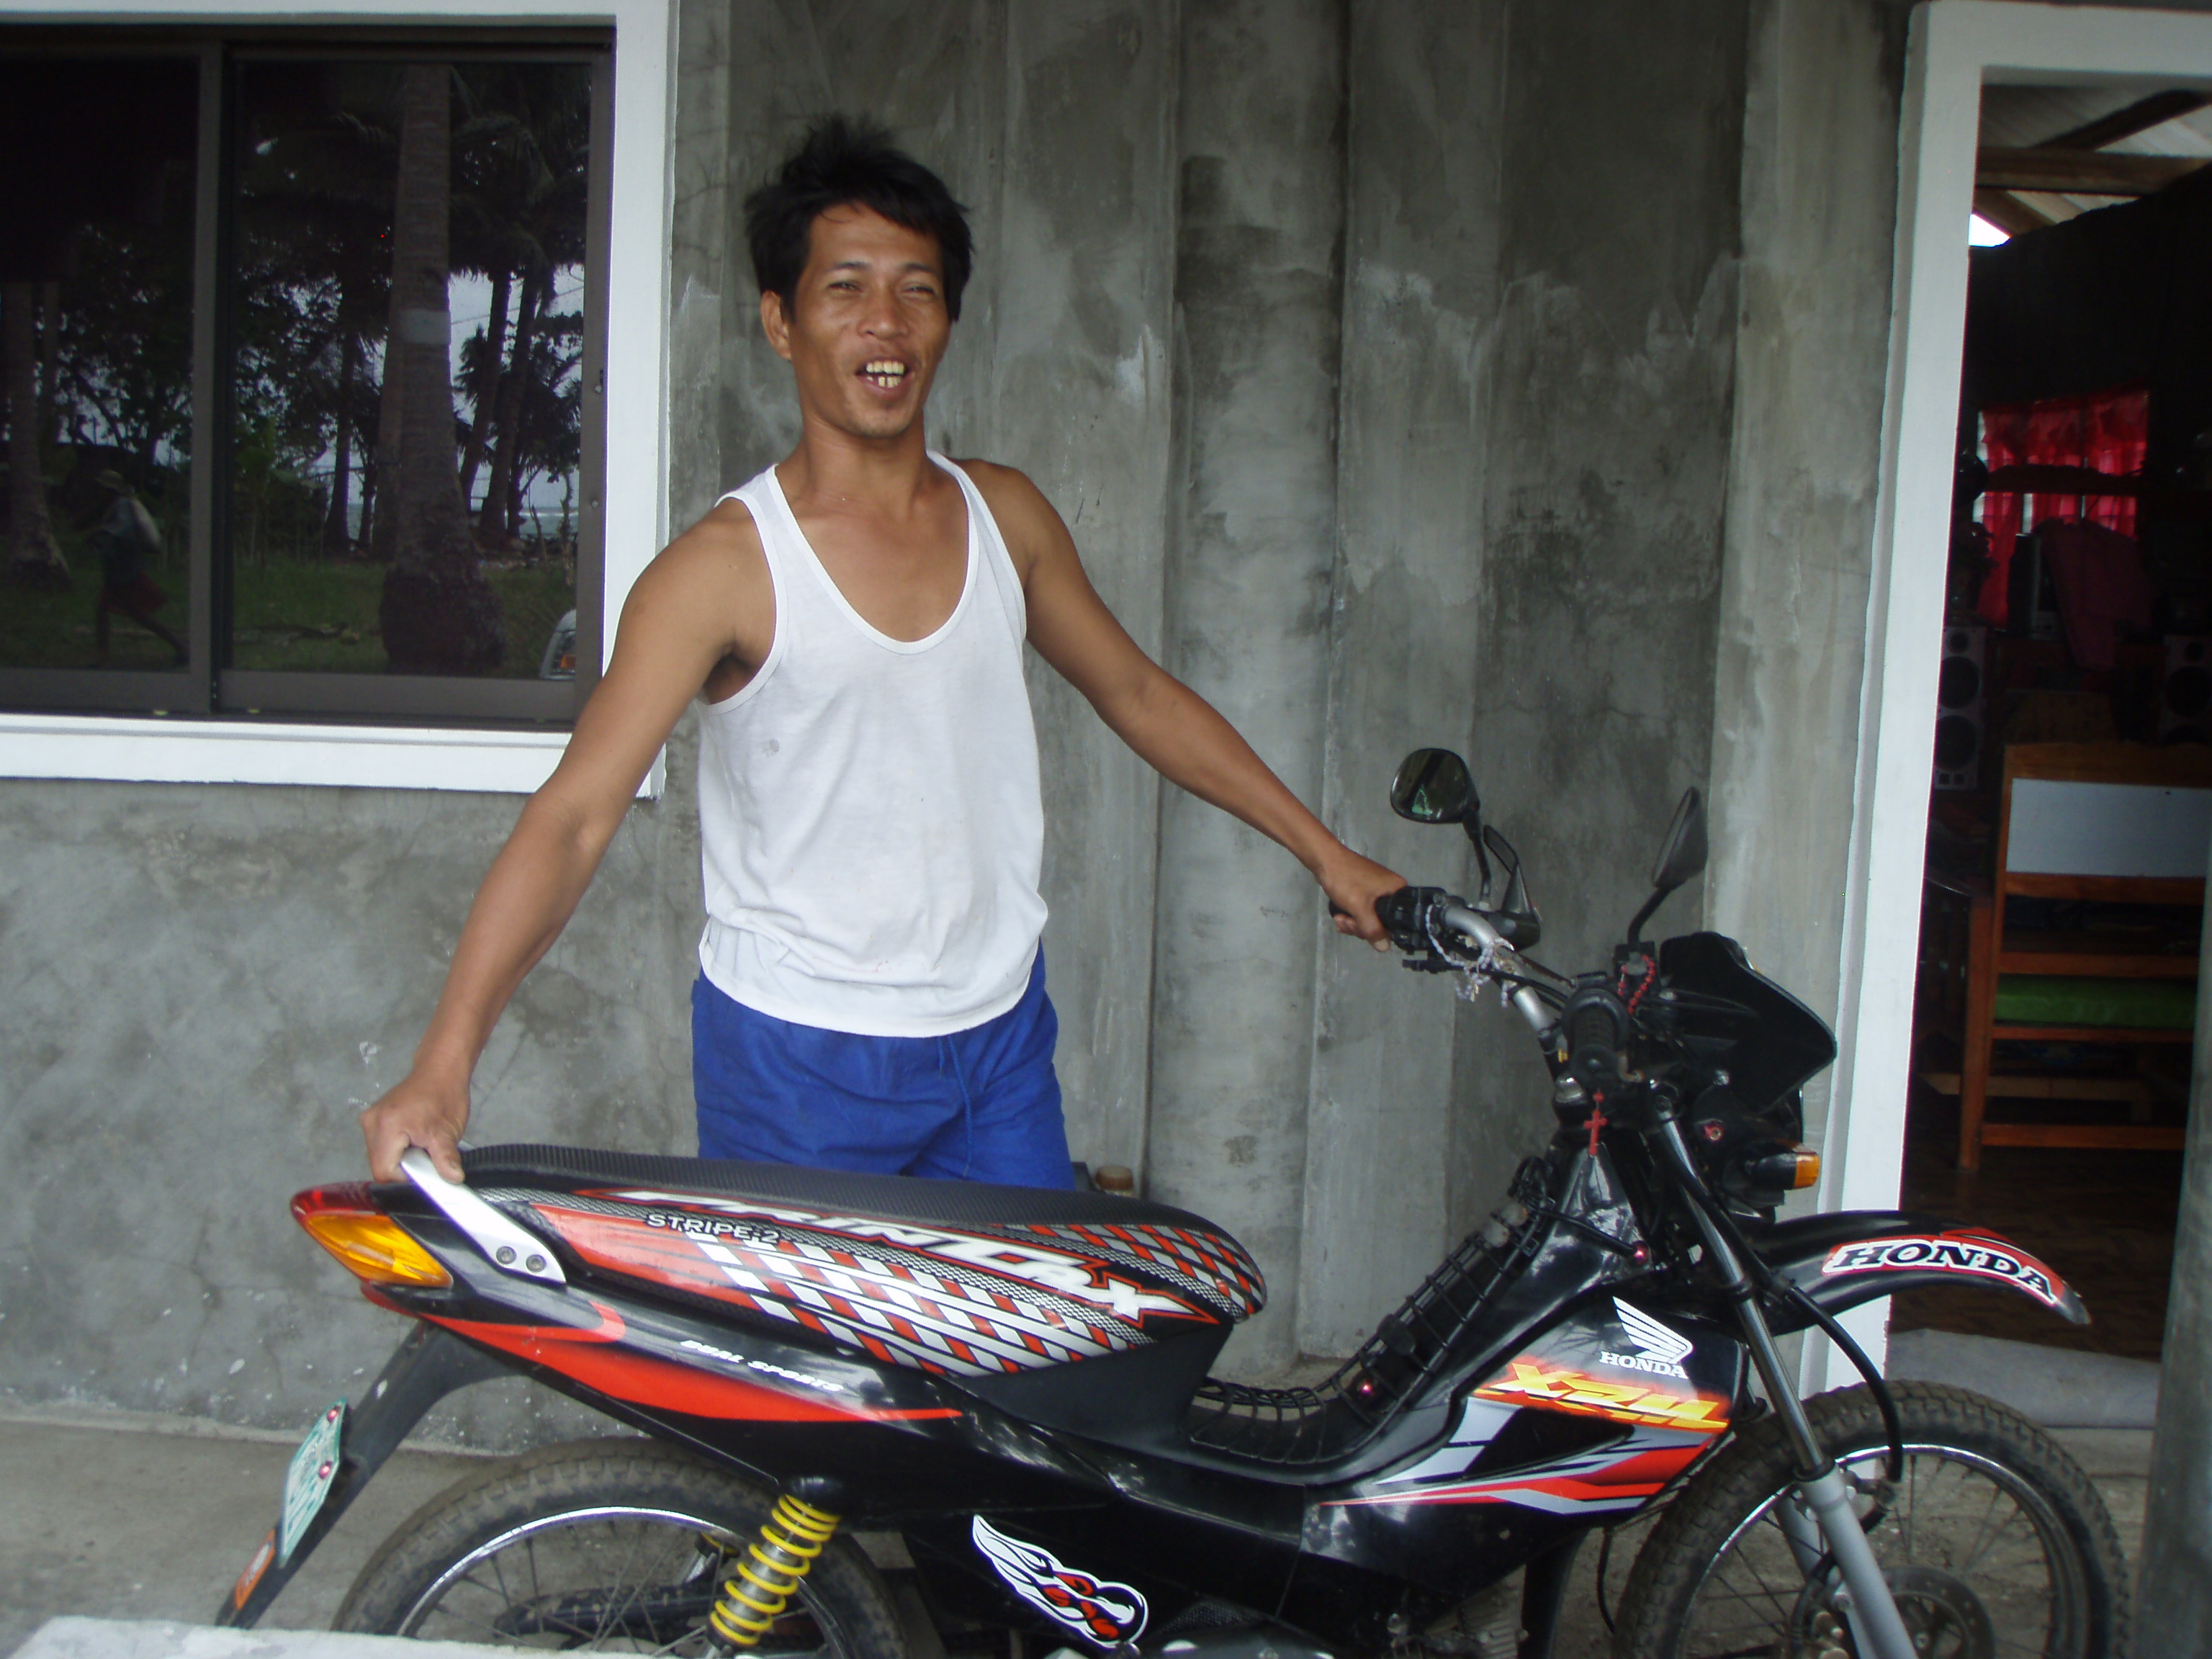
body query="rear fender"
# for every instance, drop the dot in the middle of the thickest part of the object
(430, 1365)
(1847, 1257)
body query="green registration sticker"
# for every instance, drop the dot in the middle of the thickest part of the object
(308, 1482)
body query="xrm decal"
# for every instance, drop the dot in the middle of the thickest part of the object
(1534, 1383)
(1097, 1609)
(1660, 1350)
(1952, 1253)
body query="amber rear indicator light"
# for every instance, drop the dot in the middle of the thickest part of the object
(370, 1244)
(1807, 1168)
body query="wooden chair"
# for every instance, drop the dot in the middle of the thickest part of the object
(2117, 823)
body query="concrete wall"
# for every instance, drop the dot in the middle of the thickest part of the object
(1820, 206)
(1502, 375)
(202, 988)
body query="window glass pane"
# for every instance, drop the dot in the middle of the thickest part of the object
(407, 340)
(96, 202)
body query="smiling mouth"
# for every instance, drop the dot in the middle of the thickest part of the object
(885, 375)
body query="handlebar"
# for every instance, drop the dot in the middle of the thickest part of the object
(1596, 1025)
(1409, 914)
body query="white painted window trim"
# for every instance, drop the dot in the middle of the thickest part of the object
(100, 746)
(1956, 47)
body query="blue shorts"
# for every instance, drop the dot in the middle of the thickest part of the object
(982, 1104)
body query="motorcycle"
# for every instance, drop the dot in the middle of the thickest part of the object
(1007, 1392)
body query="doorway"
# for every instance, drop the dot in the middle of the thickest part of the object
(1959, 49)
(2059, 935)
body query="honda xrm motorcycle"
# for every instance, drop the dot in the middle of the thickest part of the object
(881, 1417)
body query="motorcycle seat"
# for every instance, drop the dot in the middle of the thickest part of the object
(888, 1198)
(1003, 1288)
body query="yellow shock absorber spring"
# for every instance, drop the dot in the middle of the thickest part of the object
(770, 1571)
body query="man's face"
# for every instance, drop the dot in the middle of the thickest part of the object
(867, 325)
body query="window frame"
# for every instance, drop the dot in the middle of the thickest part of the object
(427, 750)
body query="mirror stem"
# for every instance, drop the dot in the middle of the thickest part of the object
(1635, 922)
(1472, 825)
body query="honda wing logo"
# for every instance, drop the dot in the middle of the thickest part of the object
(1096, 1609)
(1661, 1350)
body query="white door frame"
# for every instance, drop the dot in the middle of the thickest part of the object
(1956, 47)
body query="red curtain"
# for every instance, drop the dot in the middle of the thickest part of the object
(2107, 430)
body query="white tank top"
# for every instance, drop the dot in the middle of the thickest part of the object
(871, 827)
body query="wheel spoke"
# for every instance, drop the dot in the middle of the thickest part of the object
(1977, 1559)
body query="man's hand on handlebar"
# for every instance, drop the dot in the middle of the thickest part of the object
(1353, 884)
(420, 1112)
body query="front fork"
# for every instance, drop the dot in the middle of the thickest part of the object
(1877, 1627)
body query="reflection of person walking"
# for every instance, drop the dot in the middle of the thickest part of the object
(126, 539)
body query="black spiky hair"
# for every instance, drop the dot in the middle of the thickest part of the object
(842, 160)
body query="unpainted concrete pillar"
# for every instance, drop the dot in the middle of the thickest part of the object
(2173, 1608)
(1819, 208)
(1420, 264)
(706, 264)
(1606, 420)
(1081, 402)
(1253, 520)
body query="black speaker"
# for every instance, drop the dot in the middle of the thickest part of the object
(1961, 699)
(2184, 693)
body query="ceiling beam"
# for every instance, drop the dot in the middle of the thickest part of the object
(2008, 213)
(2079, 172)
(2140, 116)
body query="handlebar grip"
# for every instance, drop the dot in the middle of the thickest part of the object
(1400, 912)
(1596, 1023)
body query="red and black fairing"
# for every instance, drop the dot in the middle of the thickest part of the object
(1057, 1305)
(1583, 1423)
(732, 1294)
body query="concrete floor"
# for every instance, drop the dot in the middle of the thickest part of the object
(119, 1516)
(129, 1516)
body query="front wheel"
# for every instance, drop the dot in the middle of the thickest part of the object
(609, 1545)
(1994, 1542)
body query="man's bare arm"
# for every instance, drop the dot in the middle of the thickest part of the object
(692, 609)
(1162, 720)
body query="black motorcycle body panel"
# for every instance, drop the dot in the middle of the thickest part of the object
(1732, 1015)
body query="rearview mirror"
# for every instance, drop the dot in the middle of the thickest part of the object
(1433, 786)
(1681, 856)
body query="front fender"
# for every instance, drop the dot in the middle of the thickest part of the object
(1847, 1257)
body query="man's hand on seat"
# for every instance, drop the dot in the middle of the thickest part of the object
(425, 1112)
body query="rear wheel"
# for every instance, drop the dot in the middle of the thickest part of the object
(607, 1545)
(1994, 1543)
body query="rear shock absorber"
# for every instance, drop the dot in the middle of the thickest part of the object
(768, 1572)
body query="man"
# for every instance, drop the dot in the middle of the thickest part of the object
(128, 540)
(871, 994)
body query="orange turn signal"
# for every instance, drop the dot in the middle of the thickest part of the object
(1807, 1169)
(371, 1244)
